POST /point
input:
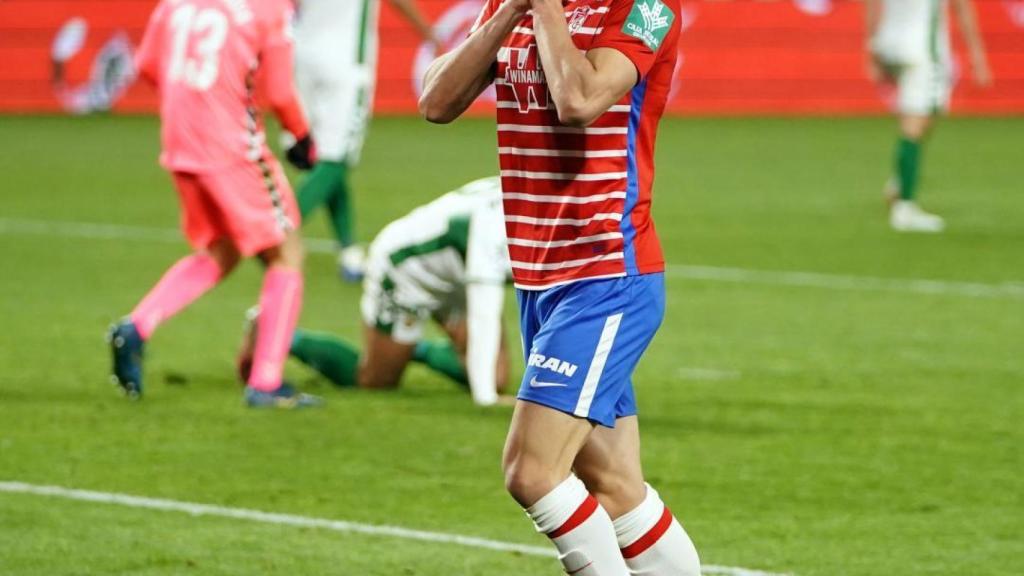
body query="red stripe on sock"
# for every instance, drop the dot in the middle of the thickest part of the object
(650, 538)
(586, 510)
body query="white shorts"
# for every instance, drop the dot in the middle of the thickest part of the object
(923, 88)
(397, 302)
(339, 101)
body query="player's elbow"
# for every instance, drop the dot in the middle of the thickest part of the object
(280, 100)
(435, 109)
(577, 112)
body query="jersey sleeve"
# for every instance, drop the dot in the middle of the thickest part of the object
(487, 250)
(486, 13)
(638, 29)
(280, 25)
(147, 57)
(278, 70)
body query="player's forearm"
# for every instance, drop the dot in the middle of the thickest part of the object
(455, 80)
(483, 348)
(872, 18)
(412, 14)
(971, 31)
(280, 91)
(572, 78)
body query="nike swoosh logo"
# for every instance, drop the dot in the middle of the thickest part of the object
(534, 383)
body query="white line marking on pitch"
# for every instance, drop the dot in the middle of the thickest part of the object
(99, 231)
(309, 522)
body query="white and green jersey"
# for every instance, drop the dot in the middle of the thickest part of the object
(421, 264)
(339, 32)
(913, 32)
(335, 70)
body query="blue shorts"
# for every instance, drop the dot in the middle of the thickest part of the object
(583, 340)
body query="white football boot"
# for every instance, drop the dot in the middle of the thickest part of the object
(352, 263)
(907, 216)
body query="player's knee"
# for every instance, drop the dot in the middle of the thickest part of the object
(618, 493)
(289, 253)
(292, 252)
(528, 481)
(225, 255)
(373, 378)
(915, 127)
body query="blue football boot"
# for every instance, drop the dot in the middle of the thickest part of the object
(127, 348)
(286, 398)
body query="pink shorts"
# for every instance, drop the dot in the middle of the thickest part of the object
(251, 204)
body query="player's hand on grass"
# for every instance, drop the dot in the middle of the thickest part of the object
(302, 154)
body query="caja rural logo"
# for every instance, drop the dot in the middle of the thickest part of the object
(650, 21)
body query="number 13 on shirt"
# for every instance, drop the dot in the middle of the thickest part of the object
(199, 36)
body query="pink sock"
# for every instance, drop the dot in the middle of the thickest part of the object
(280, 302)
(181, 285)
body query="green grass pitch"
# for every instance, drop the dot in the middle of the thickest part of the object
(843, 427)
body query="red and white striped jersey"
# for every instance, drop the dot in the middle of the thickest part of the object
(578, 200)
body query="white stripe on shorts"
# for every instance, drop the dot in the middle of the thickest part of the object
(604, 348)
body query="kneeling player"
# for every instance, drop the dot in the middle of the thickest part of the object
(910, 47)
(445, 261)
(236, 202)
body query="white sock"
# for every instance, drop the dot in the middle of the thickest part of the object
(654, 543)
(581, 530)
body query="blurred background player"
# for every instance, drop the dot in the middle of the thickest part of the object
(336, 66)
(203, 56)
(446, 260)
(909, 45)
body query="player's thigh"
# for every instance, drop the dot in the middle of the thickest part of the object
(541, 446)
(453, 322)
(391, 331)
(202, 222)
(923, 91)
(609, 464)
(257, 204)
(384, 360)
(341, 116)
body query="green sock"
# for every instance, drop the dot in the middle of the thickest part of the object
(908, 159)
(322, 184)
(335, 359)
(339, 205)
(440, 356)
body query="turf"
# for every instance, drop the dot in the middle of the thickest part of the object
(812, 430)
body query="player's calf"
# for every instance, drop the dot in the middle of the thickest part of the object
(653, 541)
(580, 529)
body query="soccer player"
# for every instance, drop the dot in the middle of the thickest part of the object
(335, 64)
(581, 87)
(203, 56)
(909, 45)
(445, 261)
